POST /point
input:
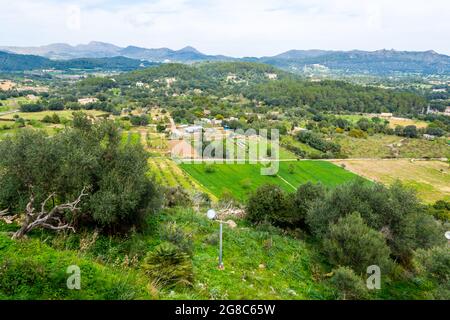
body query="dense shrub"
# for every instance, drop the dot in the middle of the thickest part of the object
(434, 263)
(357, 133)
(169, 266)
(395, 211)
(32, 107)
(314, 140)
(176, 196)
(55, 104)
(269, 203)
(350, 242)
(348, 285)
(410, 131)
(139, 120)
(303, 199)
(88, 155)
(174, 234)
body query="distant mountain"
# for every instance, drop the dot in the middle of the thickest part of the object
(21, 62)
(96, 49)
(381, 62)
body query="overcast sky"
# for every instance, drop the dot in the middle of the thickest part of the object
(231, 27)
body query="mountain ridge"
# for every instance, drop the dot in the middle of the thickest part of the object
(378, 62)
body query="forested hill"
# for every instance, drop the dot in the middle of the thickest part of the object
(261, 84)
(10, 62)
(380, 62)
(336, 96)
(213, 76)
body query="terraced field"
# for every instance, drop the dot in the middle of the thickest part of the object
(241, 179)
(168, 173)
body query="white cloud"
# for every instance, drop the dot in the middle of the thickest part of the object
(233, 27)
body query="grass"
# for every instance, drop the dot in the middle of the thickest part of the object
(33, 270)
(258, 145)
(393, 122)
(431, 179)
(241, 179)
(302, 146)
(167, 173)
(63, 114)
(12, 103)
(260, 263)
(386, 146)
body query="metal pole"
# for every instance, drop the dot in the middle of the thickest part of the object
(220, 250)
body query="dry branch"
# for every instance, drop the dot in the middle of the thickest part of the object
(47, 219)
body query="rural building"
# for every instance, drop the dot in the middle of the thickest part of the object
(193, 129)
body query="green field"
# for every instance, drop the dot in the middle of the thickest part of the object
(240, 179)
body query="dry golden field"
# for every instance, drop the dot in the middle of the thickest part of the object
(431, 179)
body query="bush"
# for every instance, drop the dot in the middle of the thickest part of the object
(303, 199)
(314, 140)
(174, 234)
(350, 242)
(410, 132)
(176, 196)
(139, 120)
(56, 104)
(169, 266)
(210, 168)
(348, 285)
(87, 155)
(357, 133)
(269, 203)
(32, 107)
(434, 263)
(395, 211)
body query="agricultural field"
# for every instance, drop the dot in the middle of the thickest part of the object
(168, 173)
(64, 114)
(393, 121)
(386, 146)
(431, 179)
(242, 149)
(12, 103)
(241, 179)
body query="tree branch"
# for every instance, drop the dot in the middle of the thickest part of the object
(48, 219)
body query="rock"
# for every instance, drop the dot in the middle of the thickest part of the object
(231, 224)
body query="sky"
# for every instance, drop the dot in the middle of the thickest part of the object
(231, 27)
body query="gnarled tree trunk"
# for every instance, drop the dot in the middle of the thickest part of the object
(47, 219)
